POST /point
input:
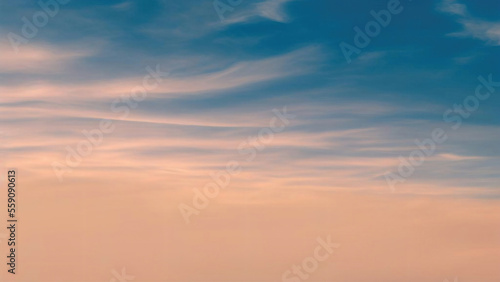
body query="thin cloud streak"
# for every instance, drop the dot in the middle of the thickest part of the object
(473, 27)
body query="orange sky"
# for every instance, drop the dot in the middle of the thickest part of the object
(86, 230)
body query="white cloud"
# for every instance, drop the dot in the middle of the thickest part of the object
(273, 10)
(452, 7)
(472, 27)
(483, 30)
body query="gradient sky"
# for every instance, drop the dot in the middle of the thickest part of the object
(324, 174)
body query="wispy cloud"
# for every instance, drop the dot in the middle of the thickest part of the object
(452, 7)
(35, 58)
(237, 75)
(273, 10)
(474, 27)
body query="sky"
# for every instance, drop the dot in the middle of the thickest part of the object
(215, 77)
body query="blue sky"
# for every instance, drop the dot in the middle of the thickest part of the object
(114, 167)
(226, 76)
